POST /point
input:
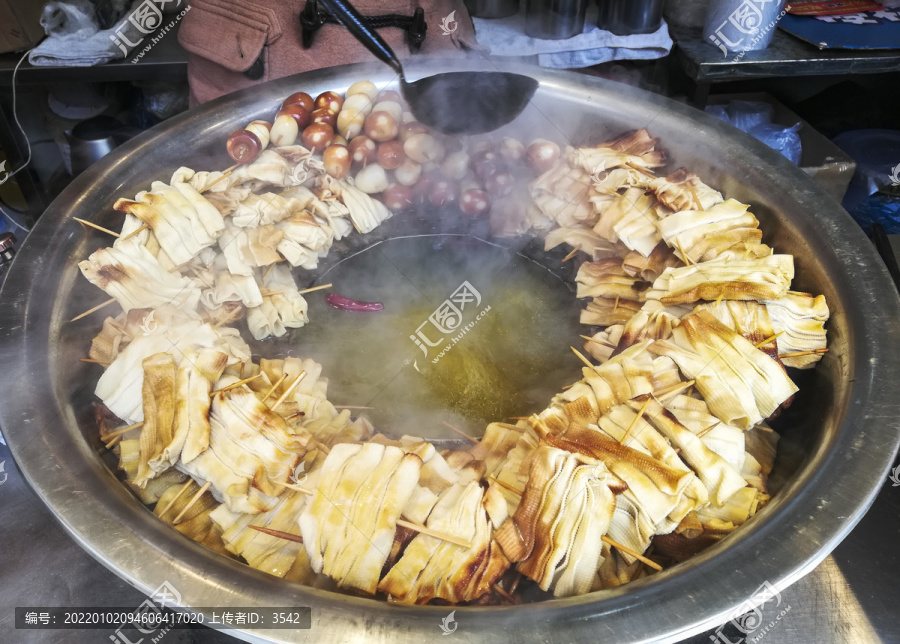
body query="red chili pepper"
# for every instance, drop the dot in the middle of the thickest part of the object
(345, 303)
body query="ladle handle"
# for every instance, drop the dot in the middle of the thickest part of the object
(348, 16)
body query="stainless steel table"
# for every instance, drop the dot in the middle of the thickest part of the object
(851, 597)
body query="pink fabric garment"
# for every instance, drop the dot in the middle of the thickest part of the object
(225, 38)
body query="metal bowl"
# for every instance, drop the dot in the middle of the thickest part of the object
(835, 451)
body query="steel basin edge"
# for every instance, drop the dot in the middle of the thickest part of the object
(847, 461)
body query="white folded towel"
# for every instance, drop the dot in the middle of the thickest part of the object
(506, 37)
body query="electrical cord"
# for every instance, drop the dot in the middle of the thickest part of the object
(19, 125)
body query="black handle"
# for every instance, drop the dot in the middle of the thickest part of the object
(348, 16)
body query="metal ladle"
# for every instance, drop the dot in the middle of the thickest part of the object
(454, 102)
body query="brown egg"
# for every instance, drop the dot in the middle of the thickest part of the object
(391, 154)
(299, 113)
(330, 101)
(363, 150)
(474, 202)
(442, 192)
(337, 160)
(500, 184)
(324, 116)
(381, 126)
(422, 188)
(301, 99)
(409, 129)
(390, 95)
(486, 164)
(317, 137)
(541, 155)
(338, 140)
(243, 146)
(423, 148)
(397, 197)
(511, 149)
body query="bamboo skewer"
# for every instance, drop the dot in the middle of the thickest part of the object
(694, 195)
(92, 361)
(513, 427)
(403, 523)
(314, 288)
(505, 485)
(674, 389)
(234, 317)
(704, 432)
(123, 430)
(135, 232)
(684, 255)
(460, 432)
(802, 353)
(303, 490)
(270, 293)
(352, 407)
(193, 500)
(274, 387)
(287, 536)
(321, 447)
(519, 417)
(504, 594)
(767, 340)
(582, 358)
(96, 308)
(629, 551)
(635, 166)
(225, 173)
(570, 255)
(635, 421)
(96, 227)
(177, 496)
(287, 392)
(235, 385)
(616, 306)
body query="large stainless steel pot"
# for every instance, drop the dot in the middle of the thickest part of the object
(831, 462)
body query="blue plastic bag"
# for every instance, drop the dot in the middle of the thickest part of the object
(755, 118)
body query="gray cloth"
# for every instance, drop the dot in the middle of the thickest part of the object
(78, 42)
